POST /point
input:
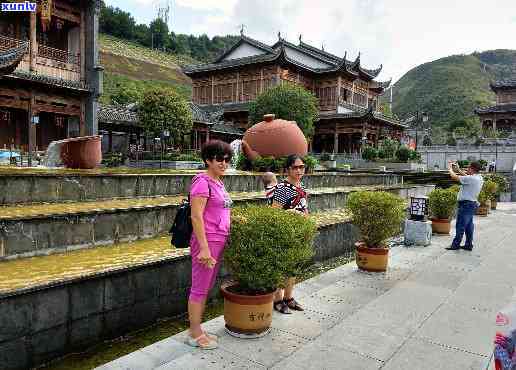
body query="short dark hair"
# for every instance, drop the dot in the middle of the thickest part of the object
(213, 148)
(291, 159)
(475, 166)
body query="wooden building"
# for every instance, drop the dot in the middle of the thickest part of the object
(501, 116)
(349, 112)
(50, 79)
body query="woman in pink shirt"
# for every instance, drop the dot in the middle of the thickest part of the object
(210, 205)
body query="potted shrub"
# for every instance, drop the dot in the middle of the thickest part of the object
(442, 204)
(266, 245)
(484, 198)
(369, 153)
(378, 215)
(503, 186)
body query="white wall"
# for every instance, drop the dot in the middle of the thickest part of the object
(440, 155)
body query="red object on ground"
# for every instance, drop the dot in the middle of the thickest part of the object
(274, 138)
(82, 152)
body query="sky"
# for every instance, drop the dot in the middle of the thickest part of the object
(400, 34)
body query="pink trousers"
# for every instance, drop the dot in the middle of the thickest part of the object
(203, 278)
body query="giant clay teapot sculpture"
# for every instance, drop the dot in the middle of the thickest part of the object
(274, 138)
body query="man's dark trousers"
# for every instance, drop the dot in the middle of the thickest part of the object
(465, 212)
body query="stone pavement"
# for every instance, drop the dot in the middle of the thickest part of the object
(433, 309)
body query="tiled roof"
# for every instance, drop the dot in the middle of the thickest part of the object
(226, 129)
(117, 115)
(359, 112)
(504, 84)
(502, 108)
(10, 59)
(277, 53)
(79, 85)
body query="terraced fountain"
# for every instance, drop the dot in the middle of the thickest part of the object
(84, 255)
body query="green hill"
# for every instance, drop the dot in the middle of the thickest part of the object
(131, 68)
(450, 88)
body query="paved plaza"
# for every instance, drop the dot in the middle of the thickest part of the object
(433, 309)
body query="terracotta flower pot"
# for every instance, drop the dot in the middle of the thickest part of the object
(81, 152)
(441, 226)
(494, 203)
(371, 259)
(275, 138)
(247, 316)
(483, 210)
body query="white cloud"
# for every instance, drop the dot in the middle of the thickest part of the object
(224, 5)
(398, 33)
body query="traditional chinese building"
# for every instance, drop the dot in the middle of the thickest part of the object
(50, 79)
(349, 112)
(501, 116)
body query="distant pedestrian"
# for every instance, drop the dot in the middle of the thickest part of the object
(492, 166)
(290, 195)
(269, 183)
(210, 207)
(471, 184)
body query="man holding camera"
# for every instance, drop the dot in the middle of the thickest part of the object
(471, 184)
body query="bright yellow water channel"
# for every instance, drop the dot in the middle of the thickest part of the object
(33, 210)
(30, 272)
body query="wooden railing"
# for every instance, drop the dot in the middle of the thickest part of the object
(51, 62)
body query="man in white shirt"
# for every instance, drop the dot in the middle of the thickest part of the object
(471, 184)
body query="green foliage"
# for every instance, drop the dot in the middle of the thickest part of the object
(266, 246)
(377, 214)
(116, 22)
(403, 154)
(451, 140)
(443, 202)
(263, 164)
(450, 88)
(113, 159)
(414, 155)
(501, 182)
(388, 148)
(369, 153)
(289, 102)
(454, 188)
(427, 141)
(163, 109)
(463, 163)
(325, 157)
(483, 164)
(488, 191)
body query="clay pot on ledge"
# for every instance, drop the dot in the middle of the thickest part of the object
(441, 226)
(247, 316)
(82, 152)
(371, 259)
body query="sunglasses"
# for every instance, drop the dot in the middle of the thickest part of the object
(300, 167)
(222, 158)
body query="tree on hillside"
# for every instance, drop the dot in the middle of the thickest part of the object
(116, 22)
(159, 34)
(163, 109)
(289, 102)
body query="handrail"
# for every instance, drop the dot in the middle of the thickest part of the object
(58, 54)
(7, 43)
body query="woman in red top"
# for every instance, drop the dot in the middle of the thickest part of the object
(290, 195)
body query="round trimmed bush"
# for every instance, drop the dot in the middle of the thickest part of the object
(443, 203)
(377, 214)
(500, 180)
(266, 246)
(403, 154)
(369, 153)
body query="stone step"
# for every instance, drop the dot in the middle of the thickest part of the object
(38, 271)
(72, 186)
(43, 229)
(83, 297)
(30, 230)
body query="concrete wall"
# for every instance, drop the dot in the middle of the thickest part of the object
(15, 189)
(439, 155)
